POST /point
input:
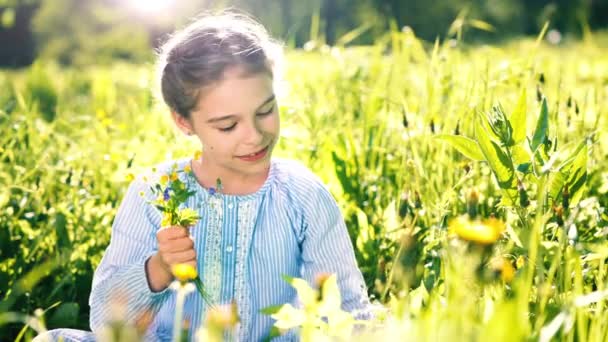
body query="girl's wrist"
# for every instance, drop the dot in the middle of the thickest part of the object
(159, 277)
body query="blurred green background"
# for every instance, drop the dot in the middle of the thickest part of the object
(83, 31)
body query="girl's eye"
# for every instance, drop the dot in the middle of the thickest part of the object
(267, 112)
(228, 129)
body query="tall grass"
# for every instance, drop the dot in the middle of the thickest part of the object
(368, 121)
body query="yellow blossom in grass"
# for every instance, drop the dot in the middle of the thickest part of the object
(164, 179)
(184, 272)
(130, 177)
(521, 262)
(484, 232)
(173, 176)
(187, 168)
(504, 268)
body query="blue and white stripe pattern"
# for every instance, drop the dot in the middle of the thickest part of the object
(290, 226)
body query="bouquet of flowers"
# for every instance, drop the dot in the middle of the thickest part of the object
(171, 193)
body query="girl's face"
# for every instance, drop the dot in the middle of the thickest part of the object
(235, 118)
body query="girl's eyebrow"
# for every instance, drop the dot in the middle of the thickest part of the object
(232, 116)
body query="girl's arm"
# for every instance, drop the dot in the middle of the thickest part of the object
(326, 248)
(120, 278)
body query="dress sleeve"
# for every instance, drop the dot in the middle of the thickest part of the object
(326, 248)
(122, 268)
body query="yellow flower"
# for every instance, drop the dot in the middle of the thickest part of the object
(520, 262)
(223, 317)
(187, 168)
(130, 177)
(164, 179)
(174, 176)
(504, 267)
(198, 155)
(166, 222)
(183, 272)
(484, 232)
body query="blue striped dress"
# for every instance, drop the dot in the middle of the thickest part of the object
(244, 243)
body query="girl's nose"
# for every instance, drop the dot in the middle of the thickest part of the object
(254, 135)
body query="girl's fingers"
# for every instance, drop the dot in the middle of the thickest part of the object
(176, 245)
(185, 257)
(172, 233)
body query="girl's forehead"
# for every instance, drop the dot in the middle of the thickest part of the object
(235, 94)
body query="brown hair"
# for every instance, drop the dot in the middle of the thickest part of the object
(197, 56)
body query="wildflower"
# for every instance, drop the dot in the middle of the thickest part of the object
(184, 272)
(320, 279)
(198, 155)
(504, 268)
(484, 232)
(173, 176)
(167, 194)
(166, 221)
(164, 179)
(520, 262)
(223, 316)
(130, 177)
(187, 168)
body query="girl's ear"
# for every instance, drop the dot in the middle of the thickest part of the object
(182, 123)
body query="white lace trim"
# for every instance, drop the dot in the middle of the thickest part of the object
(246, 220)
(212, 259)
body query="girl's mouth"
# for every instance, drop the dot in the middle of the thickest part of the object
(255, 156)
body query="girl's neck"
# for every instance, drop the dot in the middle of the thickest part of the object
(207, 174)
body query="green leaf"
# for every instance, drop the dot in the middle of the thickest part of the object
(518, 119)
(464, 145)
(521, 155)
(65, 315)
(577, 176)
(542, 126)
(271, 310)
(499, 162)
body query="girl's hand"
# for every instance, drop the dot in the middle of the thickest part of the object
(175, 246)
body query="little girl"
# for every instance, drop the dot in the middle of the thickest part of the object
(271, 218)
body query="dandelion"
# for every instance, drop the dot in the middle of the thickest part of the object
(187, 169)
(184, 272)
(198, 155)
(484, 232)
(173, 176)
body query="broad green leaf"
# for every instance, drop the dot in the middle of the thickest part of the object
(542, 126)
(518, 119)
(521, 155)
(499, 162)
(577, 176)
(464, 145)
